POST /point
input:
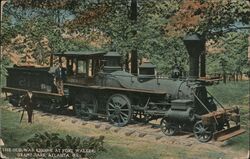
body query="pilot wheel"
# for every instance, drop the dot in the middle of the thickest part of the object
(168, 128)
(202, 132)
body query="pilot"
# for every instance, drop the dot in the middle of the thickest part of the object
(60, 77)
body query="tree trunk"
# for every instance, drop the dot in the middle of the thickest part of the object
(127, 62)
(237, 76)
(51, 60)
(134, 62)
(224, 77)
(134, 56)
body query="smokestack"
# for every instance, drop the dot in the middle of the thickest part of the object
(194, 44)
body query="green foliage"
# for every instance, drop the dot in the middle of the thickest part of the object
(54, 141)
(39, 19)
(233, 57)
(231, 93)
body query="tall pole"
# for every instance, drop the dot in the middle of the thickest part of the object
(1, 46)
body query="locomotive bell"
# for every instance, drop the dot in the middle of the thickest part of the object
(195, 45)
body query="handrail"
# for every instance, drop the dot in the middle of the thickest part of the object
(205, 106)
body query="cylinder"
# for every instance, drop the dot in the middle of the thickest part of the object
(180, 115)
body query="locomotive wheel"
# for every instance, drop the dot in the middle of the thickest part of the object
(84, 105)
(202, 132)
(119, 109)
(167, 128)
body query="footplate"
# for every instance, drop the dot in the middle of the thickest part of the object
(228, 133)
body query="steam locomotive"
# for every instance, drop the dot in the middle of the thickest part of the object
(97, 86)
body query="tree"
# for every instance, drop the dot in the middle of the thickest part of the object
(231, 58)
(211, 19)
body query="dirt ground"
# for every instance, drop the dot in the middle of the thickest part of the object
(136, 140)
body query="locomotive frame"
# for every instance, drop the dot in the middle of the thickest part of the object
(107, 91)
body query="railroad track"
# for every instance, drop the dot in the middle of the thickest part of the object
(149, 131)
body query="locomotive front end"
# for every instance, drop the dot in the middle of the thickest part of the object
(225, 122)
(195, 108)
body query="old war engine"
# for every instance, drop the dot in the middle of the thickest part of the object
(97, 86)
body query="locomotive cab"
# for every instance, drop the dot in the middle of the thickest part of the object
(82, 66)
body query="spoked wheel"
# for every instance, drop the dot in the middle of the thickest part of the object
(119, 109)
(140, 116)
(168, 128)
(85, 105)
(202, 132)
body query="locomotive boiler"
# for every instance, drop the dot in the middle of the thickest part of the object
(97, 86)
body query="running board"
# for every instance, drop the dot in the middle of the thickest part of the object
(228, 133)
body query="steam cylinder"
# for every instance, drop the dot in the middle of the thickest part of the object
(180, 115)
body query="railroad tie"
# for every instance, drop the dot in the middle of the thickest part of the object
(108, 127)
(44, 114)
(84, 123)
(190, 135)
(158, 130)
(64, 119)
(128, 133)
(73, 121)
(97, 126)
(117, 129)
(142, 134)
(158, 137)
(56, 117)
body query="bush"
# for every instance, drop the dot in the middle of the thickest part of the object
(54, 141)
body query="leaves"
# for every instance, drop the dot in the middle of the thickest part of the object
(233, 57)
(54, 141)
(106, 24)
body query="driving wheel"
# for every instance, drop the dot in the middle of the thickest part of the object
(85, 106)
(119, 109)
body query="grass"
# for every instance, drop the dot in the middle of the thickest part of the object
(231, 92)
(235, 93)
(116, 145)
